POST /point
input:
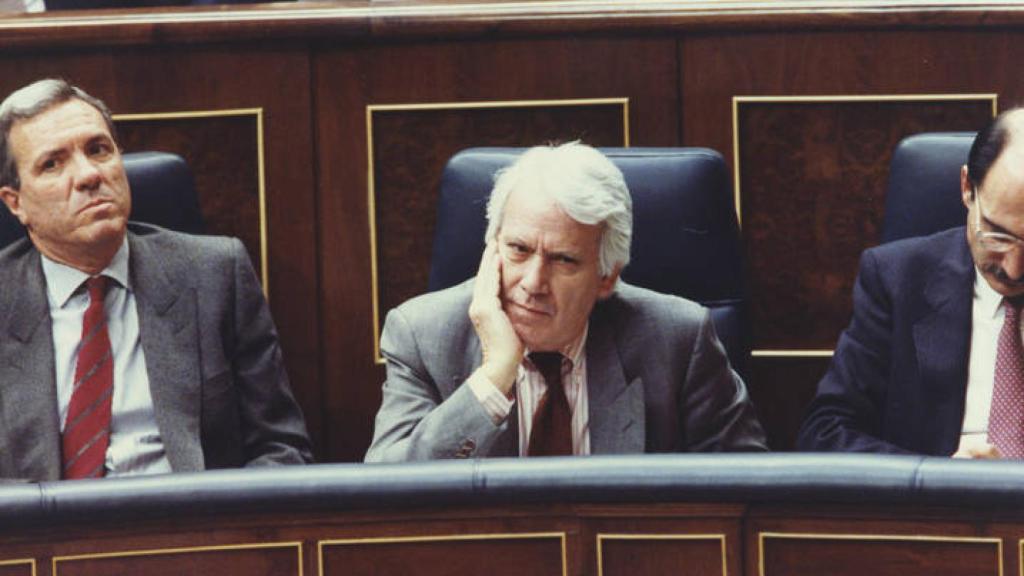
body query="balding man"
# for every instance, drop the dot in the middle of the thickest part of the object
(931, 362)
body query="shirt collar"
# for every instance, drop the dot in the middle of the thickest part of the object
(62, 281)
(987, 300)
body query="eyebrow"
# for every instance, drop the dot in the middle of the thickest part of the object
(997, 228)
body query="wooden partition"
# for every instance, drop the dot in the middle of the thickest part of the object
(318, 131)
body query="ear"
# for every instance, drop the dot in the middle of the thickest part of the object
(12, 199)
(607, 283)
(966, 190)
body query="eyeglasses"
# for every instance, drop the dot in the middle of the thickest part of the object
(992, 241)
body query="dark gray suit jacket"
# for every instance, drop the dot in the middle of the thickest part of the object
(657, 381)
(220, 392)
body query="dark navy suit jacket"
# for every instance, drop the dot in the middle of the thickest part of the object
(899, 374)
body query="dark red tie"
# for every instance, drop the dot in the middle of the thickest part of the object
(87, 428)
(551, 434)
(1006, 417)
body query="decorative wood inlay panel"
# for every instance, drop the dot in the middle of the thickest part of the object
(811, 176)
(878, 555)
(468, 555)
(410, 144)
(224, 149)
(278, 559)
(661, 554)
(18, 567)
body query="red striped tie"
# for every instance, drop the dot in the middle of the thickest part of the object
(87, 429)
(1006, 417)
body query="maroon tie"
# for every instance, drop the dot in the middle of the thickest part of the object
(551, 434)
(1006, 417)
(87, 427)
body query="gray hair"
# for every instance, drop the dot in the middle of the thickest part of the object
(31, 101)
(584, 183)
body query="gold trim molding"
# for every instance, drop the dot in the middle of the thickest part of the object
(30, 561)
(601, 538)
(737, 101)
(561, 536)
(184, 550)
(260, 164)
(371, 204)
(762, 536)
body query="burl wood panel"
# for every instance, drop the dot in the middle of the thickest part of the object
(407, 176)
(812, 191)
(223, 153)
(662, 557)
(782, 402)
(856, 557)
(17, 569)
(348, 78)
(281, 561)
(492, 556)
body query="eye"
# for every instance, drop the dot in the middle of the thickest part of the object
(565, 259)
(100, 149)
(49, 165)
(516, 250)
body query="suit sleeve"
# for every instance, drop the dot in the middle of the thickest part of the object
(846, 414)
(715, 406)
(273, 429)
(415, 422)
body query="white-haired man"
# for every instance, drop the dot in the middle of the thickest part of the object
(546, 352)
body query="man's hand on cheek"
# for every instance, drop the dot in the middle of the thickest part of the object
(502, 348)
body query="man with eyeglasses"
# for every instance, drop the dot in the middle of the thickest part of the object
(932, 361)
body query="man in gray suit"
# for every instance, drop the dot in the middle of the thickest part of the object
(126, 348)
(470, 369)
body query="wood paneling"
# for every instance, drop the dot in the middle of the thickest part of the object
(350, 78)
(658, 555)
(500, 555)
(812, 179)
(17, 568)
(855, 555)
(223, 153)
(255, 561)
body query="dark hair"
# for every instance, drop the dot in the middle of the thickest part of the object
(30, 101)
(988, 145)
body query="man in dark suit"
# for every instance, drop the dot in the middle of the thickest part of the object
(126, 349)
(545, 352)
(927, 363)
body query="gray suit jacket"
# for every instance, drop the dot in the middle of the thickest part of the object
(220, 392)
(657, 378)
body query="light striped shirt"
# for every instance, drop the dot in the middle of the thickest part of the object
(530, 388)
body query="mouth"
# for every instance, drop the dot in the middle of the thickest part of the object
(97, 203)
(529, 311)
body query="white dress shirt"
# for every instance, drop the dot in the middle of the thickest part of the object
(530, 388)
(135, 443)
(987, 314)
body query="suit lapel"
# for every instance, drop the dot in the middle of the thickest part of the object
(942, 340)
(28, 389)
(616, 406)
(168, 329)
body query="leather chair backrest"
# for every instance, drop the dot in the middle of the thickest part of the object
(163, 193)
(685, 234)
(923, 194)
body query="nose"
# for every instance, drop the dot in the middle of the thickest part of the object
(535, 276)
(85, 173)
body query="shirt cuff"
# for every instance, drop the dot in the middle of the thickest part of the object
(496, 404)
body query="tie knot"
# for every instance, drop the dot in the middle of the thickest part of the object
(97, 287)
(549, 364)
(1012, 307)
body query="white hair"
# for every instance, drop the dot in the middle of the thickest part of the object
(584, 184)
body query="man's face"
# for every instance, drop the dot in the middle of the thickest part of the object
(999, 207)
(74, 194)
(549, 276)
